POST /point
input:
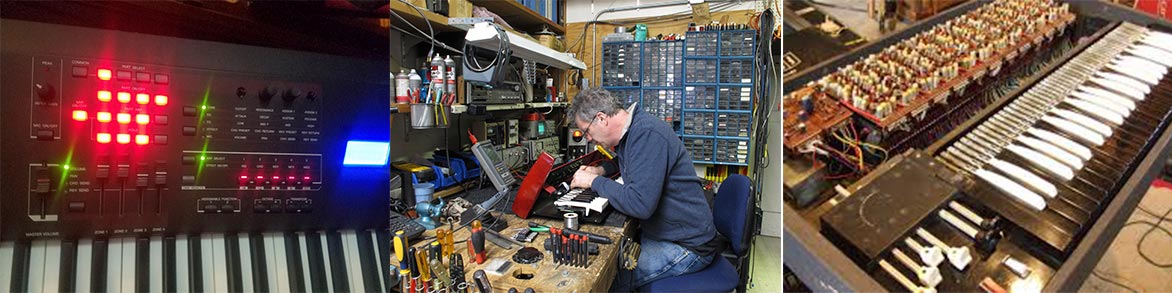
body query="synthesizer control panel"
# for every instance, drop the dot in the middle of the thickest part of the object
(114, 133)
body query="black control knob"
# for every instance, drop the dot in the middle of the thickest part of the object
(45, 91)
(267, 93)
(311, 95)
(291, 94)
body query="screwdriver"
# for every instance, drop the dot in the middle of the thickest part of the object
(424, 271)
(400, 253)
(591, 236)
(414, 269)
(476, 243)
(456, 267)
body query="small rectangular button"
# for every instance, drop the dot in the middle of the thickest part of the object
(45, 134)
(161, 139)
(77, 206)
(188, 159)
(188, 180)
(161, 119)
(142, 77)
(189, 130)
(189, 111)
(80, 71)
(162, 78)
(123, 75)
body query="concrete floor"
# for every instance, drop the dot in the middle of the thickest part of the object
(766, 265)
(1123, 264)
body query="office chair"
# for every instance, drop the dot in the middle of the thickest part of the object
(731, 213)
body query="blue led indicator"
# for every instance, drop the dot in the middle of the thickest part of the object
(371, 153)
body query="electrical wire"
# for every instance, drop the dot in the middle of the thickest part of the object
(503, 52)
(1154, 227)
(429, 28)
(1116, 283)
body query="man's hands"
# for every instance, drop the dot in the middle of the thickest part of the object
(585, 175)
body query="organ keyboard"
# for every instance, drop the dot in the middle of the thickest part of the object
(319, 261)
(581, 200)
(1061, 149)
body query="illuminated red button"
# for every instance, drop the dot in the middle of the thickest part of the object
(104, 96)
(103, 137)
(142, 119)
(105, 74)
(142, 139)
(123, 138)
(123, 118)
(80, 115)
(142, 98)
(161, 100)
(124, 97)
(104, 117)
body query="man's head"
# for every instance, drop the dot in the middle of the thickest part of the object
(599, 115)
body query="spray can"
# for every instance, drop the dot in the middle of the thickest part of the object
(437, 76)
(402, 84)
(415, 83)
(553, 95)
(451, 77)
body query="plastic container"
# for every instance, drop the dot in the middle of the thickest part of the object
(423, 192)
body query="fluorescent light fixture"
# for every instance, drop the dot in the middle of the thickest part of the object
(485, 36)
(370, 153)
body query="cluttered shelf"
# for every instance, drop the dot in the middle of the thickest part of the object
(521, 17)
(480, 108)
(438, 22)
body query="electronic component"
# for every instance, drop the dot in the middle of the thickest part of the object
(493, 165)
(576, 143)
(164, 135)
(537, 146)
(507, 93)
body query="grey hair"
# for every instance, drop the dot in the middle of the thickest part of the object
(590, 101)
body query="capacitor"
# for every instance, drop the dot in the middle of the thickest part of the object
(451, 77)
(803, 116)
(808, 104)
(402, 84)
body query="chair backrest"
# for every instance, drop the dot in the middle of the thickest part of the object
(731, 210)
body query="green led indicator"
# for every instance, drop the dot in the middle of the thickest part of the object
(203, 158)
(203, 107)
(66, 167)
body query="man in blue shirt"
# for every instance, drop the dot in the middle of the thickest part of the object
(660, 186)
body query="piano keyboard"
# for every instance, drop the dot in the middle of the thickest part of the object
(584, 199)
(342, 261)
(1063, 147)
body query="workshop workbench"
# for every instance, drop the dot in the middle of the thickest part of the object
(547, 276)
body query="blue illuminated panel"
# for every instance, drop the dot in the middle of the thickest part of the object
(366, 153)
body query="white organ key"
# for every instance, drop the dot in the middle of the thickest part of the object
(1132, 82)
(1042, 161)
(1120, 106)
(52, 266)
(35, 272)
(1064, 143)
(1054, 152)
(1085, 121)
(1075, 130)
(84, 266)
(129, 252)
(246, 278)
(1025, 176)
(1132, 93)
(1096, 110)
(156, 255)
(1033, 200)
(182, 266)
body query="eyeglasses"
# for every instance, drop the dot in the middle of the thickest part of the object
(586, 131)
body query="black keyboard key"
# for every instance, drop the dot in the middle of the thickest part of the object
(68, 266)
(368, 260)
(317, 266)
(195, 259)
(293, 262)
(142, 266)
(232, 248)
(259, 263)
(337, 262)
(98, 270)
(20, 266)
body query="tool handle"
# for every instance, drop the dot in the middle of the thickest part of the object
(482, 283)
